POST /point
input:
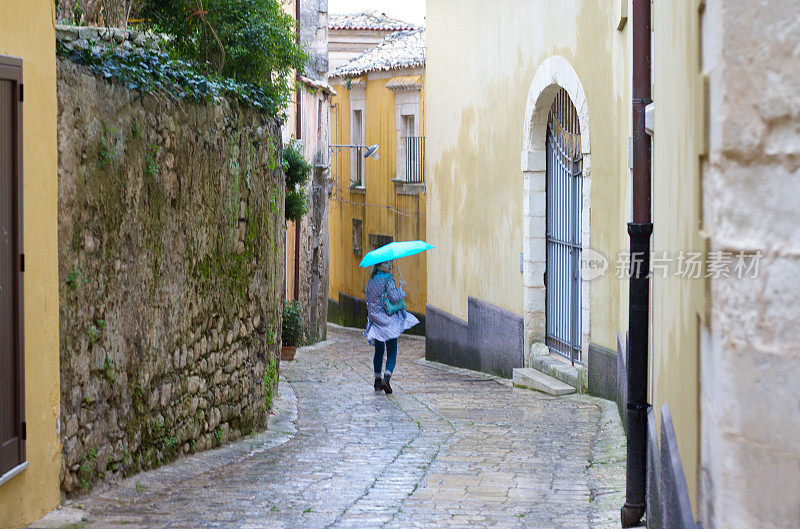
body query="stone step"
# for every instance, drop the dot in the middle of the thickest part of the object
(530, 378)
(556, 368)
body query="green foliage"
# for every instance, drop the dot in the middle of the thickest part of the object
(158, 429)
(297, 171)
(85, 472)
(270, 377)
(108, 371)
(252, 41)
(292, 329)
(219, 434)
(77, 13)
(94, 333)
(296, 203)
(170, 444)
(151, 162)
(75, 278)
(274, 202)
(104, 153)
(295, 166)
(148, 71)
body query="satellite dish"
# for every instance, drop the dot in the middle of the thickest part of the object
(372, 152)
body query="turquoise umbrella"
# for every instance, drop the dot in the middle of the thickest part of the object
(393, 250)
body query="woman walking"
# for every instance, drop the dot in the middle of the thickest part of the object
(382, 328)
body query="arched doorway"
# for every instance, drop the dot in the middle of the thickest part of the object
(556, 164)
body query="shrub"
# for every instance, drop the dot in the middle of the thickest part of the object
(251, 41)
(292, 330)
(297, 171)
(296, 204)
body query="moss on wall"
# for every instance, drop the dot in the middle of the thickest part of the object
(170, 282)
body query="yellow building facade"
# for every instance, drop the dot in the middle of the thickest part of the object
(723, 311)
(487, 191)
(380, 100)
(27, 37)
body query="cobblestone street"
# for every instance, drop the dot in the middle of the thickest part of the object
(450, 448)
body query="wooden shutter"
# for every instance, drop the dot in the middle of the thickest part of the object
(12, 406)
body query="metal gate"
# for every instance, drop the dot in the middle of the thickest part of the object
(564, 199)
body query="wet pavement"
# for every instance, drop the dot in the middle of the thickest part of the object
(450, 448)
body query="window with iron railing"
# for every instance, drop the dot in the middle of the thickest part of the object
(415, 159)
(358, 175)
(357, 160)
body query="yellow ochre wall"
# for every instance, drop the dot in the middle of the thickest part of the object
(404, 219)
(480, 63)
(27, 31)
(677, 305)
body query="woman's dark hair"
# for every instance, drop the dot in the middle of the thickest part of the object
(375, 269)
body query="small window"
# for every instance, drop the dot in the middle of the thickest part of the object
(376, 240)
(408, 125)
(358, 236)
(357, 138)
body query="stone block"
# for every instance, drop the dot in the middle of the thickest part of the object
(532, 379)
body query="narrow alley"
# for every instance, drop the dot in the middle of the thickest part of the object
(450, 448)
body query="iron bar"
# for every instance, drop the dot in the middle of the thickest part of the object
(415, 159)
(563, 234)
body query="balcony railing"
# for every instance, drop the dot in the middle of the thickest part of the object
(415, 159)
(358, 177)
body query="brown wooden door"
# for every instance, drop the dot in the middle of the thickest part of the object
(12, 434)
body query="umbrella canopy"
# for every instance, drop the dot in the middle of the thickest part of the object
(393, 250)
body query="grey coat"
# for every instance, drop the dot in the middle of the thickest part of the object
(381, 326)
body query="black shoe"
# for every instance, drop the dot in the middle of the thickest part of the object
(386, 387)
(378, 384)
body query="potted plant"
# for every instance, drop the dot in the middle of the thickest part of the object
(291, 330)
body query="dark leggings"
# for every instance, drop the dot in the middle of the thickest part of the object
(391, 356)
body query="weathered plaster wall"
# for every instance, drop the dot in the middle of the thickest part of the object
(27, 32)
(170, 242)
(314, 239)
(750, 474)
(677, 303)
(314, 118)
(481, 61)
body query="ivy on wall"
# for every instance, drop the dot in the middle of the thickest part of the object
(148, 70)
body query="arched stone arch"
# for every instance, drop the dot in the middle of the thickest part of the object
(554, 73)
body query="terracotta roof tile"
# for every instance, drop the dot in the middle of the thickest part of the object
(369, 20)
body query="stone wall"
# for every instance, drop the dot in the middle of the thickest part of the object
(750, 351)
(170, 229)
